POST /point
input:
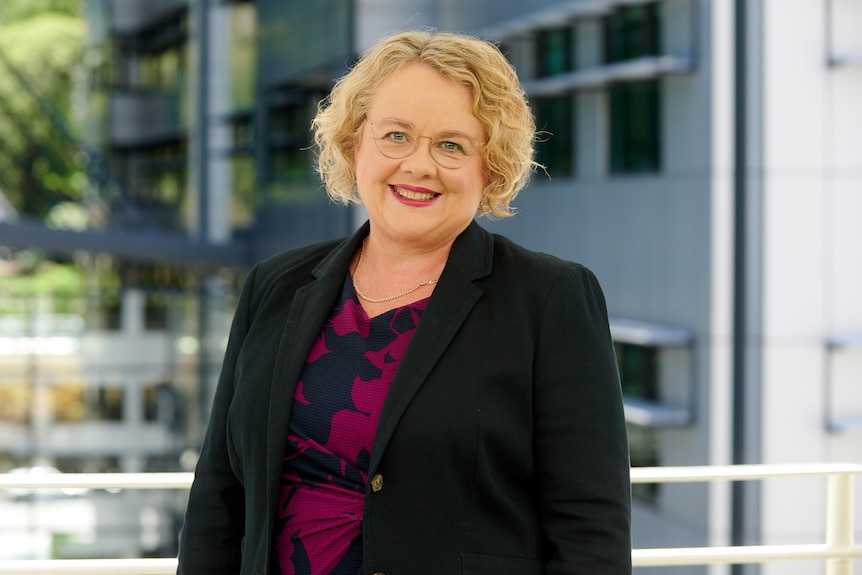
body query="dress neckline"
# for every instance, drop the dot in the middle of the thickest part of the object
(348, 285)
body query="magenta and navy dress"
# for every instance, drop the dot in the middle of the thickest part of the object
(333, 421)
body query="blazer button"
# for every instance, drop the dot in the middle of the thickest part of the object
(377, 485)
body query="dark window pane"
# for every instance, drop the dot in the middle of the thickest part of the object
(156, 185)
(644, 452)
(156, 311)
(162, 403)
(635, 122)
(72, 402)
(242, 132)
(638, 366)
(243, 176)
(632, 32)
(289, 163)
(554, 52)
(556, 148)
(638, 370)
(243, 40)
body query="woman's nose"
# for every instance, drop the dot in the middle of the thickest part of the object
(420, 162)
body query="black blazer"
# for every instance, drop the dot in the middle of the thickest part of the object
(501, 448)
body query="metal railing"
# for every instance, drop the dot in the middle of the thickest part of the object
(838, 550)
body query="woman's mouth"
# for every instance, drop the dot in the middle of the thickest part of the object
(416, 194)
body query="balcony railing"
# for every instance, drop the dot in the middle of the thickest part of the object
(838, 550)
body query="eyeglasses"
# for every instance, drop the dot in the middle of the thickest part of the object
(397, 139)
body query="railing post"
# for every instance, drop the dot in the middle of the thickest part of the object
(839, 521)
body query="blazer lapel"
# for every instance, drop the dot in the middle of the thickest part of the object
(312, 305)
(450, 304)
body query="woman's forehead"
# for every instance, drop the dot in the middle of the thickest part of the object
(424, 97)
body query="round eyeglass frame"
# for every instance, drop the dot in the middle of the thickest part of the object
(430, 148)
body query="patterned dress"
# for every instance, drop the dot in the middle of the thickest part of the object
(332, 425)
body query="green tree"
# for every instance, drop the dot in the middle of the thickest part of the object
(62, 282)
(23, 9)
(41, 51)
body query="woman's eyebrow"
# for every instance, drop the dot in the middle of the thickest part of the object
(397, 121)
(441, 134)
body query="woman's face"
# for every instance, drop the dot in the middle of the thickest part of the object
(414, 200)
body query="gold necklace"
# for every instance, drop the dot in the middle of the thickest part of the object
(381, 299)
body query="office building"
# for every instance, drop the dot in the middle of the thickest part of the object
(703, 161)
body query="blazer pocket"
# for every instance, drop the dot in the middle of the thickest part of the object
(475, 564)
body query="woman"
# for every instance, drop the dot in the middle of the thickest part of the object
(423, 397)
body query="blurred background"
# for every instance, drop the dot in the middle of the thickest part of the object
(704, 158)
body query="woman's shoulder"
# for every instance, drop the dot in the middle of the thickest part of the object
(306, 254)
(298, 262)
(542, 278)
(512, 256)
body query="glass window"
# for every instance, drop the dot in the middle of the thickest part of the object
(163, 404)
(302, 39)
(163, 286)
(634, 127)
(163, 53)
(243, 171)
(80, 402)
(16, 395)
(638, 366)
(242, 192)
(89, 464)
(242, 132)
(243, 55)
(156, 310)
(289, 170)
(157, 183)
(643, 451)
(638, 370)
(290, 118)
(290, 165)
(104, 294)
(554, 51)
(556, 125)
(161, 70)
(632, 32)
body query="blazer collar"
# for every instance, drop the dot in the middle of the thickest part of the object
(472, 253)
(454, 297)
(338, 260)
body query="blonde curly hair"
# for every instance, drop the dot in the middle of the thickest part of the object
(499, 103)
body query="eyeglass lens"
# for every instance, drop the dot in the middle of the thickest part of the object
(397, 140)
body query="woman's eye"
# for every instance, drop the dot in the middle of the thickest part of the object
(451, 147)
(397, 137)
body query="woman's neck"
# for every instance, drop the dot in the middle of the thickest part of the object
(387, 275)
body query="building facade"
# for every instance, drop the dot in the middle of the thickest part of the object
(702, 158)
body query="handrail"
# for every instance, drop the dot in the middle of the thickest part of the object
(696, 473)
(97, 480)
(161, 566)
(839, 549)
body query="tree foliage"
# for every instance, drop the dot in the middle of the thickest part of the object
(11, 10)
(41, 51)
(64, 283)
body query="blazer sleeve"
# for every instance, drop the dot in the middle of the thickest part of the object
(581, 449)
(212, 532)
